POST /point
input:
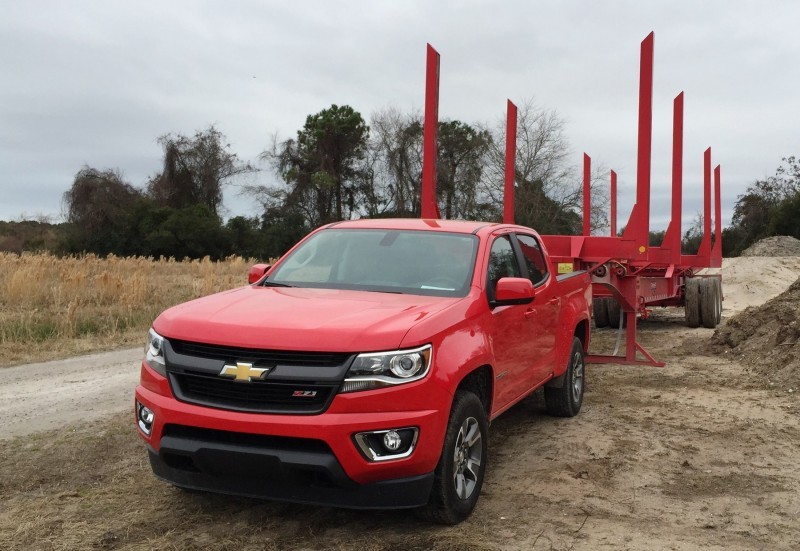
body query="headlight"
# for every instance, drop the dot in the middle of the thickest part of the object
(380, 369)
(154, 353)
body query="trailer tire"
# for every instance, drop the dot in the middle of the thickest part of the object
(615, 312)
(457, 478)
(600, 312)
(710, 304)
(692, 302)
(718, 283)
(566, 401)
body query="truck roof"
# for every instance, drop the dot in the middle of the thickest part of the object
(454, 226)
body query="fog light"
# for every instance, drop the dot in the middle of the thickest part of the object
(144, 418)
(392, 441)
(383, 445)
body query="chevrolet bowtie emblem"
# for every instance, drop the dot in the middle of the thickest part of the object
(244, 372)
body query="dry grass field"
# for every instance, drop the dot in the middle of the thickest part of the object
(53, 307)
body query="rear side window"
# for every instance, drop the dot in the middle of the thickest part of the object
(534, 259)
(502, 262)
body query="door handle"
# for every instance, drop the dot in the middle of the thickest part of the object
(529, 313)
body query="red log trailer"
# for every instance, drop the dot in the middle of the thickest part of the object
(629, 277)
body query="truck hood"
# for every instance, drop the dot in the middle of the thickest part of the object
(279, 318)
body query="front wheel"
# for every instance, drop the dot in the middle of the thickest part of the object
(459, 475)
(566, 401)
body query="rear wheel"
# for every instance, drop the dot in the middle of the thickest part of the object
(692, 302)
(615, 313)
(710, 303)
(600, 311)
(566, 401)
(459, 475)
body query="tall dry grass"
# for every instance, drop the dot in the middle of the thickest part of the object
(51, 306)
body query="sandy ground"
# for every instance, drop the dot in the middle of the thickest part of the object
(750, 281)
(696, 455)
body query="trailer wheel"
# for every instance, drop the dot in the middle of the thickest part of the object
(692, 302)
(459, 475)
(718, 283)
(615, 313)
(710, 304)
(600, 311)
(566, 401)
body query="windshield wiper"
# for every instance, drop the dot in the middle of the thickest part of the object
(275, 284)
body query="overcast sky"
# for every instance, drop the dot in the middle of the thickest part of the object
(97, 82)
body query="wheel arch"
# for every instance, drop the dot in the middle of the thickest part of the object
(581, 331)
(480, 381)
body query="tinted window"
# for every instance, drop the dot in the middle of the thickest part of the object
(534, 259)
(502, 262)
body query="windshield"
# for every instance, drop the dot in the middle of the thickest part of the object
(390, 261)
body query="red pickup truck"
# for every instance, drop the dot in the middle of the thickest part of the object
(363, 368)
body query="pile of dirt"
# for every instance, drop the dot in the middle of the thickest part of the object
(779, 245)
(768, 338)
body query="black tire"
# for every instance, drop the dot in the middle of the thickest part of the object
(456, 484)
(615, 313)
(600, 312)
(718, 285)
(692, 302)
(566, 401)
(710, 304)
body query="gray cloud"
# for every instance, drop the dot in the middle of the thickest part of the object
(98, 82)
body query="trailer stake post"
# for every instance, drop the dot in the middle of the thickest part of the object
(613, 204)
(511, 156)
(638, 227)
(429, 208)
(716, 251)
(672, 237)
(587, 194)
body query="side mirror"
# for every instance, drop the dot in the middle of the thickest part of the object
(513, 290)
(257, 271)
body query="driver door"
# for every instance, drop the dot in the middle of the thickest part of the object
(510, 328)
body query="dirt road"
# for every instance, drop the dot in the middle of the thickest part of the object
(54, 394)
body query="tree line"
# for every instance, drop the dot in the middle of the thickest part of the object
(336, 167)
(339, 167)
(769, 206)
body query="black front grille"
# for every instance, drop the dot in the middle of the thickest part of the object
(255, 396)
(215, 436)
(276, 357)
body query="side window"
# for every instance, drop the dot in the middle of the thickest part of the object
(502, 262)
(534, 259)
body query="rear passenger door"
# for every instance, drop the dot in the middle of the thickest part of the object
(546, 307)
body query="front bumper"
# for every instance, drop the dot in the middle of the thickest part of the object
(297, 470)
(259, 455)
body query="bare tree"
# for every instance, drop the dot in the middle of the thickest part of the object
(396, 162)
(548, 185)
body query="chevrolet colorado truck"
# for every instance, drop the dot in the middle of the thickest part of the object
(363, 368)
